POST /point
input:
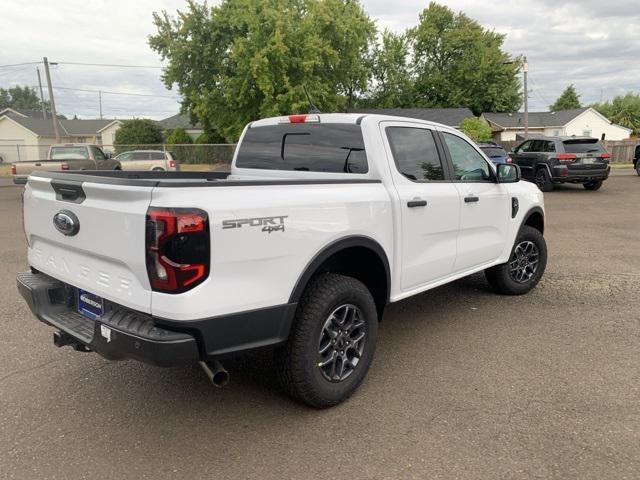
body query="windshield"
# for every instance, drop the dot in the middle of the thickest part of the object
(327, 147)
(494, 152)
(583, 145)
(69, 153)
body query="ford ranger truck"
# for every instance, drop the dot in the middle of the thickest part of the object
(323, 221)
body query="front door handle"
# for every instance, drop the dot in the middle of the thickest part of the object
(416, 203)
(471, 199)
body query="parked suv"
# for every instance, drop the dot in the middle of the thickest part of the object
(636, 159)
(551, 160)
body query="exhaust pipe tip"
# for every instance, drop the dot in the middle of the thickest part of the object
(216, 373)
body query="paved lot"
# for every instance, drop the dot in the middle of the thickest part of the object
(465, 384)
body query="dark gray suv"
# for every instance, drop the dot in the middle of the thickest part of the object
(551, 160)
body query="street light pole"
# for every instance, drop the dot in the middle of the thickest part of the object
(525, 72)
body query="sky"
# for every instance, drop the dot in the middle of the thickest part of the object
(590, 43)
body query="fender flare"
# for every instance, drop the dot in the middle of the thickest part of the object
(333, 248)
(528, 215)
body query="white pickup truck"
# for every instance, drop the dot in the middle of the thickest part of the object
(323, 221)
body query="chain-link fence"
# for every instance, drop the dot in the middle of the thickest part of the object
(187, 154)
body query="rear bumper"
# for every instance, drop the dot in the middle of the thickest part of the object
(564, 175)
(20, 179)
(122, 333)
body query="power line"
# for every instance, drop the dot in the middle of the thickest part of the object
(116, 65)
(116, 93)
(19, 64)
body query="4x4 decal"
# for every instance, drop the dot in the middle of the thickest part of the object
(268, 224)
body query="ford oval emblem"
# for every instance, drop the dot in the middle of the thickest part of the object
(66, 222)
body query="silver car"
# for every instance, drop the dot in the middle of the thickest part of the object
(155, 160)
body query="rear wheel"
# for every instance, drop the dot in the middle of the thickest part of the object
(332, 342)
(525, 267)
(592, 185)
(157, 169)
(638, 167)
(543, 180)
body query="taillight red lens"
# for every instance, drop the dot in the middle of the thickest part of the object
(172, 164)
(509, 160)
(177, 246)
(13, 170)
(605, 155)
(566, 157)
(64, 166)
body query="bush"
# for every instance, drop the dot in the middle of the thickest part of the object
(137, 133)
(476, 129)
(177, 141)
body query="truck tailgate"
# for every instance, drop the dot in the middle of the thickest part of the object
(107, 254)
(26, 168)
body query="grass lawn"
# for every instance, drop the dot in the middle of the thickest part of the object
(5, 169)
(205, 167)
(622, 165)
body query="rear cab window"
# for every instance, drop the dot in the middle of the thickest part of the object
(305, 147)
(69, 153)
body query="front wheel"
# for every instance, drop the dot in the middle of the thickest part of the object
(332, 341)
(592, 185)
(525, 267)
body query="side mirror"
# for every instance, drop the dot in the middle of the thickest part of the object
(507, 173)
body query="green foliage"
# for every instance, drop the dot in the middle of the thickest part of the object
(568, 100)
(392, 85)
(476, 129)
(246, 59)
(623, 110)
(208, 137)
(137, 133)
(457, 63)
(19, 97)
(178, 136)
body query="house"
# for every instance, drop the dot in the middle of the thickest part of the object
(447, 116)
(24, 138)
(181, 120)
(585, 122)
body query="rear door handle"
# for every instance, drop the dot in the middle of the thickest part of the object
(416, 203)
(471, 199)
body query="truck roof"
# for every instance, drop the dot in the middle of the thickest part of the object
(349, 118)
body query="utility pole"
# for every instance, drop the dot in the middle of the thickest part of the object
(525, 72)
(44, 110)
(100, 100)
(54, 116)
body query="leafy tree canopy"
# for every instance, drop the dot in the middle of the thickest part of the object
(178, 136)
(138, 132)
(458, 63)
(476, 129)
(623, 110)
(20, 97)
(246, 59)
(567, 100)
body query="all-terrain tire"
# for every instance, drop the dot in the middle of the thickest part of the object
(297, 362)
(593, 186)
(500, 277)
(543, 180)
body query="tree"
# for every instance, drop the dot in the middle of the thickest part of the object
(20, 97)
(476, 129)
(623, 110)
(246, 59)
(178, 136)
(392, 86)
(137, 133)
(459, 64)
(568, 100)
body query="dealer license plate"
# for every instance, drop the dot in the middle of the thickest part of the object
(90, 305)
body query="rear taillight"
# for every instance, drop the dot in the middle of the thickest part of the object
(509, 160)
(566, 157)
(172, 164)
(605, 155)
(13, 170)
(177, 248)
(64, 166)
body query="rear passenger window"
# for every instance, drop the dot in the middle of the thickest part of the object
(323, 147)
(415, 153)
(157, 155)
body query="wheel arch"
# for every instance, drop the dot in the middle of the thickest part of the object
(534, 218)
(356, 256)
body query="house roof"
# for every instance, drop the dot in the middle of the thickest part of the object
(25, 112)
(68, 128)
(447, 116)
(536, 119)
(179, 120)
